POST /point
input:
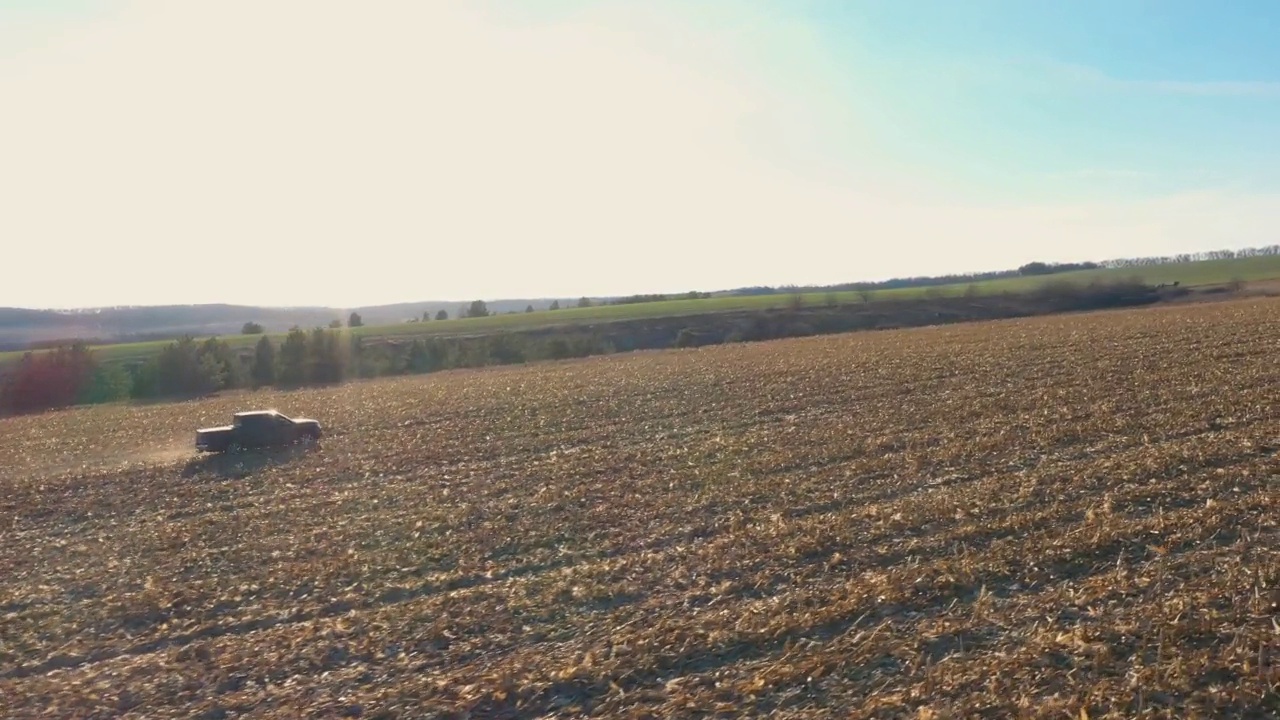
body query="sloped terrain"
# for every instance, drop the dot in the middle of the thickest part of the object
(1063, 516)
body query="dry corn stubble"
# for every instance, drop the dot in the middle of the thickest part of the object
(1046, 517)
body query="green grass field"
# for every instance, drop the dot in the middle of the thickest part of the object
(1208, 272)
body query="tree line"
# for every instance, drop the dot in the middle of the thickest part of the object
(1265, 250)
(74, 375)
(922, 281)
(1028, 269)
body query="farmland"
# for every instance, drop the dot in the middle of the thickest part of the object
(1193, 274)
(1041, 517)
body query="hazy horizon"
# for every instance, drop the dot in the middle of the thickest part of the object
(326, 154)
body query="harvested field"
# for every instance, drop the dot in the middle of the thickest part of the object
(1053, 517)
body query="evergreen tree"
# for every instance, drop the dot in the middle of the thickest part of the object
(225, 369)
(325, 358)
(291, 369)
(264, 363)
(211, 374)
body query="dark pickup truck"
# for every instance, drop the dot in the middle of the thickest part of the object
(257, 429)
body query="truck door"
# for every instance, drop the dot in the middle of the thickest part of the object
(283, 430)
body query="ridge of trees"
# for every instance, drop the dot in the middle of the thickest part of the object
(1029, 269)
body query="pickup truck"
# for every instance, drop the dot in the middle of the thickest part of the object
(257, 429)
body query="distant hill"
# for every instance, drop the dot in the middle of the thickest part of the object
(20, 328)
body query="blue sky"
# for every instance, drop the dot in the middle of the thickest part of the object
(1174, 93)
(566, 147)
(1049, 98)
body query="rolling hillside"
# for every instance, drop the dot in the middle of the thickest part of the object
(155, 326)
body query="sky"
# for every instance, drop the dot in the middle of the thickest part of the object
(299, 152)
